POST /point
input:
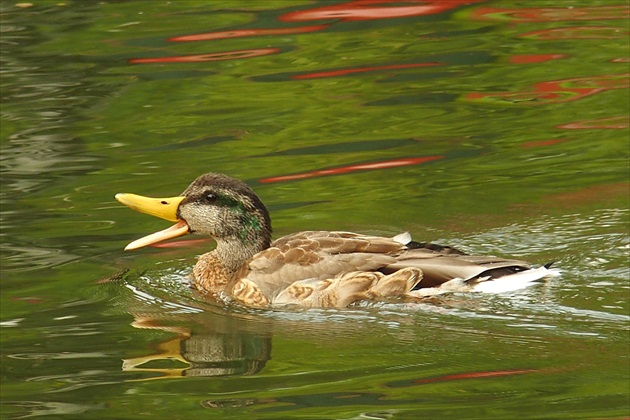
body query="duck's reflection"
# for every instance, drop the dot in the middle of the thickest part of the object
(205, 354)
(209, 341)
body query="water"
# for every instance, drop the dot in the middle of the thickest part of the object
(497, 127)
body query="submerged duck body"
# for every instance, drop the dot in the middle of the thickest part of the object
(313, 268)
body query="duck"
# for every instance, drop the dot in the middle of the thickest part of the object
(313, 269)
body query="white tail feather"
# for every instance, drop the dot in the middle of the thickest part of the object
(514, 281)
(403, 238)
(503, 284)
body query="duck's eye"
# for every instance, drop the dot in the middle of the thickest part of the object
(211, 198)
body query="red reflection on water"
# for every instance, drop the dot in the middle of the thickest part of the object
(247, 32)
(345, 72)
(385, 164)
(351, 10)
(28, 299)
(559, 90)
(618, 123)
(475, 375)
(375, 9)
(542, 143)
(578, 32)
(535, 58)
(226, 55)
(551, 14)
(593, 194)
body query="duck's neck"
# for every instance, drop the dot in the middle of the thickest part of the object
(218, 268)
(233, 252)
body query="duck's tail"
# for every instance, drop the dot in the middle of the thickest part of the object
(515, 281)
(489, 284)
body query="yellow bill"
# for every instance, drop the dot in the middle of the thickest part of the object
(164, 208)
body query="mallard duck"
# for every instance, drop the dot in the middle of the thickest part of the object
(313, 268)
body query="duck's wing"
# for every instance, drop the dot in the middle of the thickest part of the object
(334, 269)
(316, 255)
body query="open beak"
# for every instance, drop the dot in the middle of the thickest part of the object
(164, 208)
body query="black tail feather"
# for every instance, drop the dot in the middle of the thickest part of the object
(434, 247)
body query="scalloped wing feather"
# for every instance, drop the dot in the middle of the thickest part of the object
(317, 255)
(347, 288)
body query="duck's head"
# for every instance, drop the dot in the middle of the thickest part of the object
(214, 204)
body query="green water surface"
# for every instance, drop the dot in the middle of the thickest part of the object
(499, 127)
